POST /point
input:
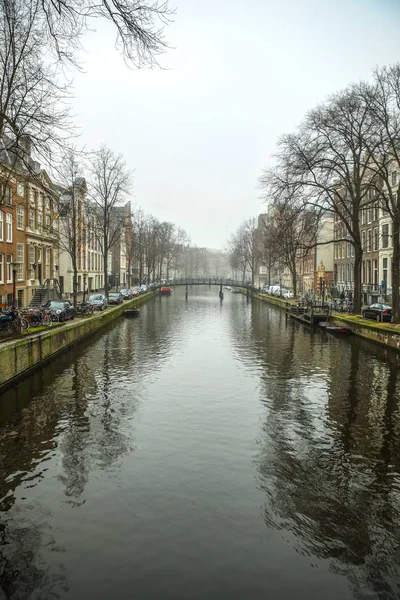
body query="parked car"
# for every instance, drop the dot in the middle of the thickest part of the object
(144, 288)
(287, 294)
(60, 310)
(115, 298)
(99, 301)
(378, 312)
(126, 294)
(135, 292)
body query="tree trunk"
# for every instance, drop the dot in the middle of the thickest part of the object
(75, 290)
(357, 279)
(294, 279)
(105, 266)
(396, 270)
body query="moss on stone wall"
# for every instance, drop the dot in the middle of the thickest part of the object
(21, 356)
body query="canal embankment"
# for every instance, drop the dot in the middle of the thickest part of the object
(385, 334)
(19, 357)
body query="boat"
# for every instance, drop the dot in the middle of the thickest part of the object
(166, 291)
(331, 328)
(236, 291)
(132, 312)
(228, 287)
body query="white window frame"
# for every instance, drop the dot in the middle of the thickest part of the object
(40, 221)
(20, 261)
(9, 268)
(20, 217)
(9, 228)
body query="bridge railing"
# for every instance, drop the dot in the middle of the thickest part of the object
(206, 281)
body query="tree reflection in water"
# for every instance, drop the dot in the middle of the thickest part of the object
(329, 463)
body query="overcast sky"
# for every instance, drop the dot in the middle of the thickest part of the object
(240, 73)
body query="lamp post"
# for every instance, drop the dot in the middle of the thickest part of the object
(14, 266)
(84, 285)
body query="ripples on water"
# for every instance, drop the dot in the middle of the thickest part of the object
(203, 451)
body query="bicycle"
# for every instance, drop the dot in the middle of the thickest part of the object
(85, 308)
(37, 317)
(11, 321)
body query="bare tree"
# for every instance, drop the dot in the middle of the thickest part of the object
(294, 231)
(34, 114)
(109, 185)
(139, 26)
(326, 165)
(73, 213)
(383, 101)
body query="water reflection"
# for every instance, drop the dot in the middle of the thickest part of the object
(138, 463)
(329, 462)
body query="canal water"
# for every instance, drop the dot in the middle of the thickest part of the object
(203, 451)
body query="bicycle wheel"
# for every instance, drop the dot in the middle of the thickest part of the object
(47, 321)
(24, 324)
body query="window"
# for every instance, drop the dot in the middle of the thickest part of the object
(8, 227)
(363, 217)
(385, 271)
(369, 216)
(47, 223)
(375, 267)
(1, 268)
(385, 236)
(336, 251)
(1, 226)
(40, 221)
(394, 177)
(363, 235)
(20, 217)
(369, 272)
(32, 261)
(20, 261)
(32, 196)
(31, 220)
(39, 255)
(369, 240)
(20, 189)
(352, 251)
(9, 268)
(376, 212)
(48, 262)
(8, 195)
(348, 250)
(364, 272)
(376, 239)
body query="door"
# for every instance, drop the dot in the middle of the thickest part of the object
(39, 267)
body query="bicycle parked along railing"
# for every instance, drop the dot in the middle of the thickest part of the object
(37, 317)
(85, 308)
(12, 322)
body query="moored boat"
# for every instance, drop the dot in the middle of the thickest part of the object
(132, 312)
(166, 291)
(331, 328)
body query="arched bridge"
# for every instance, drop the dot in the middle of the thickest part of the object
(206, 281)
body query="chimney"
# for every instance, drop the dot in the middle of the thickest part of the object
(25, 143)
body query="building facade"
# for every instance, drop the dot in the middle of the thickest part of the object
(28, 227)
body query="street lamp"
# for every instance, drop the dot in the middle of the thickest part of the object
(84, 284)
(14, 266)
